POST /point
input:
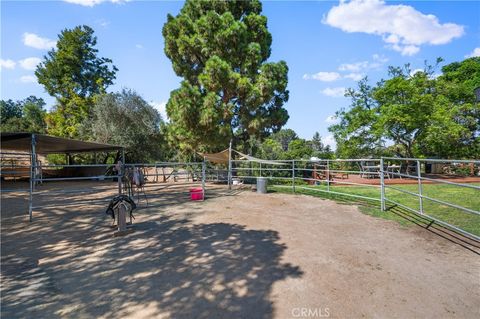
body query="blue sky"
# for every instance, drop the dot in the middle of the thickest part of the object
(328, 45)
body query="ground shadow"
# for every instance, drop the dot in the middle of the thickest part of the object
(437, 229)
(422, 221)
(168, 266)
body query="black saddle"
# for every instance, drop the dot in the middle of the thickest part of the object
(117, 200)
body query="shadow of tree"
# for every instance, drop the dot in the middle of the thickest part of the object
(169, 267)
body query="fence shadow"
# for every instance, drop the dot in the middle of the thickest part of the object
(437, 229)
(421, 221)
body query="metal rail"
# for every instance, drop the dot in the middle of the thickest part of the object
(295, 176)
(327, 167)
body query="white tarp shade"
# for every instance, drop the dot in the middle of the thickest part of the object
(259, 160)
(222, 158)
(217, 158)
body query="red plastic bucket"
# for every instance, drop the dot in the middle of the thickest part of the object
(196, 194)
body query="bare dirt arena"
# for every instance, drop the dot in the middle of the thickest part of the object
(242, 255)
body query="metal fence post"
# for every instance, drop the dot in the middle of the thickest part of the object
(327, 175)
(203, 179)
(293, 176)
(420, 197)
(382, 185)
(121, 172)
(33, 160)
(230, 166)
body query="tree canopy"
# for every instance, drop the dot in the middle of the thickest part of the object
(419, 113)
(126, 119)
(296, 148)
(73, 73)
(27, 115)
(229, 90)
(284, 137)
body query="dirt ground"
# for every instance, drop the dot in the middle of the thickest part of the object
(235, 255)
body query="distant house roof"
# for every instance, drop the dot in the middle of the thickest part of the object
(45, 144)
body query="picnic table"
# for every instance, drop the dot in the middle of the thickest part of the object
(372, 171)
(393, 169)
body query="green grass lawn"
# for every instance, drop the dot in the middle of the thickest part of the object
(462, 196)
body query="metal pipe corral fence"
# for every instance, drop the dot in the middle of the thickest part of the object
(390, 175)
(406, 183)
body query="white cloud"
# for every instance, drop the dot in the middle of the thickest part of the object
(333, 92)
(37, 42)
(407, 50)
(29, 63)
(28, 79)
(329, 140)
(376, 63)
(401, 27)
(7, 64)
(322, 76)
(353, 67)
(354, 76)
(331, 119)
(139, 46)
(357, 70)
(103, 23)
(91, 3)
(475, 52)
(413, 72)
(161, 107)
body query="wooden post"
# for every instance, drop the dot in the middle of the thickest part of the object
(122, 221)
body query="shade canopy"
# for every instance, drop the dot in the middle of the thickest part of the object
(45, 144)
(217, 158)
(223, 157)
(258, 160)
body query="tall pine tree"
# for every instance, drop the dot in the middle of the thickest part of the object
(229, 90)
(73, 73)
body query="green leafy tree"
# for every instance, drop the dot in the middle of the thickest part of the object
(27, 115)
(320, 150)
(270, 149)
(353, 133)
(465, 73)
(34, 114)
(455, 131)
(9, 110)
(406, 106)
(126, 119)
(299, 149)
(73, 73)
(317, 144)
(284, 137)
(421, 114)
(220, 49)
